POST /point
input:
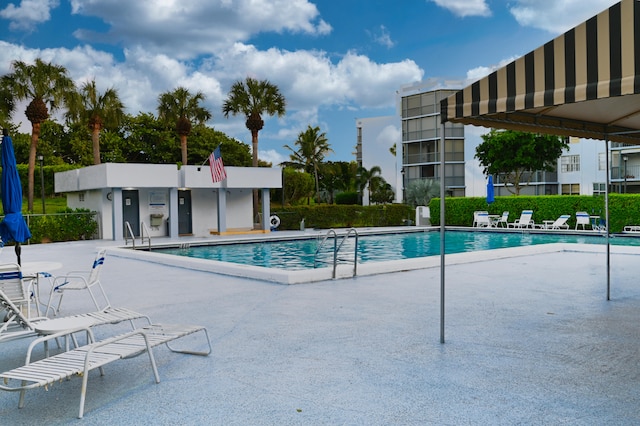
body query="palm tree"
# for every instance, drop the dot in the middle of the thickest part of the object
(6, 106)
(252, 98)
(368, 178)
(96, 110)
(313, 146)
(421, 191)
(43, 83)
(181, 108)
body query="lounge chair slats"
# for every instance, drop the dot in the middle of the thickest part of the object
(79, 361)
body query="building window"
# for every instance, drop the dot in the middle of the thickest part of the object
(599, 188)
(570, 189)
(570, 163)
(81, 197)
(602, 161)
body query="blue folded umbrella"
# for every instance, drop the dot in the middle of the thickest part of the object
(13, 227)
(490, 190)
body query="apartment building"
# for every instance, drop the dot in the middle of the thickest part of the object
(581, 168)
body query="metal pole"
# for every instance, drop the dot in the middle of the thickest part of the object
(283, 187)
(41, 160)
(606, 218)
(625, 173)
(442, 234)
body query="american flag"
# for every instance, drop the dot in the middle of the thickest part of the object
(217, 166)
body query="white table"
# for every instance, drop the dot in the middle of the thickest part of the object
(34, 271)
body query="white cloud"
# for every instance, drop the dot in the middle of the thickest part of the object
(28, 13)
(464, 8)
(271, 156)
(200, 44)
(383, 37)
(310, 81)
(557, 16)
(188, 29)
(482, 71)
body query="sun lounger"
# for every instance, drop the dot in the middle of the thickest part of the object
(632, 228)
(582, 219)
(17, 325)
(80, 361)
(559, 223)
(503, 220)
(525, 220)
(481, 219)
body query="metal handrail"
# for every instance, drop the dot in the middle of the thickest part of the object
(326, 237)
(129, 231)
(143, 228)
(355, 249)
(336, 249)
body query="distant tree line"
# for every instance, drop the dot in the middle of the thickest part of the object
(97, 130)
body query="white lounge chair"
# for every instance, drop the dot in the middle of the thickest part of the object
(18, 325)
(81, 360)
(559, 223)
(583, 219)
(14, 288)
(482, 220)
(503, 220)
(632, 228)
(525, 220)
(21, 321)
(80, 280)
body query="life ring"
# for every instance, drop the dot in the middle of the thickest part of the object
(274, 221)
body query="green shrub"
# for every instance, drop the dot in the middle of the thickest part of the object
(326, 216)
(66, 225)
(347, 198)
(624, 209)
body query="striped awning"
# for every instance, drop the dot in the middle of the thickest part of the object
(584, 83)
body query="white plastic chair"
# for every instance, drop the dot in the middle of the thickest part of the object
(503, 220)
(480, 218)
(524, 221)
(483, 220)
(559, 223)
(80, 280)
(582, 218)
(13, 287)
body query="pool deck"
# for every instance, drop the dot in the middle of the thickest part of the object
(530, 339)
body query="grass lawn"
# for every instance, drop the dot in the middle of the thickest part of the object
(52, 204)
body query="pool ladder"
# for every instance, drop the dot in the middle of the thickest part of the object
(128, 233)
(336, 249)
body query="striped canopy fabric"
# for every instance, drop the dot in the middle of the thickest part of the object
(584, 83)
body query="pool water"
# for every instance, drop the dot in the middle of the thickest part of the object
(301, 254)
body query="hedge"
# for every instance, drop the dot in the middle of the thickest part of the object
(327, 216)
(624, 209)
(66, 225)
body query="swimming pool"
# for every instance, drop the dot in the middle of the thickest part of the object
(278, 248)
(300, 254)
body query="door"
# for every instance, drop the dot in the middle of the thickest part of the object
(131, 211)
(184, 213)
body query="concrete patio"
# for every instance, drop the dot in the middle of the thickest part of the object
(529, 340)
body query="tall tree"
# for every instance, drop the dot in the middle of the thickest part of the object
(512, 154)
(181, 108)
(252, 98)
(43, 83)
(312, 147)
(369, 179)
(96, 110)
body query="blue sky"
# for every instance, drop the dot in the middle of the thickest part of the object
(334, 61)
